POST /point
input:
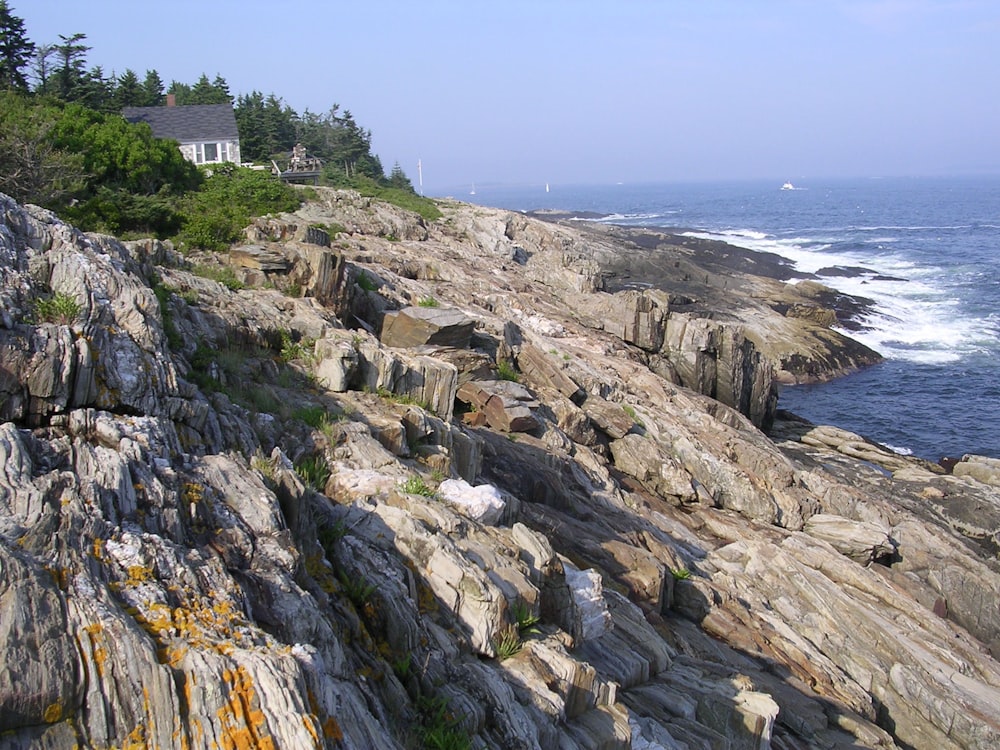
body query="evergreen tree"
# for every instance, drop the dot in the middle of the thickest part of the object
(208, 92)
(181, 92)
(16, 51)
(267, 127)
(71, 74)
(398, 178)
(152, 90)
(95, 91)
(41, 68)
(221, 90)
(129, 92)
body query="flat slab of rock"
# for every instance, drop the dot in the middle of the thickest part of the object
(417, 326)
(259, 258)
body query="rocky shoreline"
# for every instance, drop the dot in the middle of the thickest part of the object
(490, 481)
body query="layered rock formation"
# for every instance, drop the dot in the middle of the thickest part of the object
(540, 513)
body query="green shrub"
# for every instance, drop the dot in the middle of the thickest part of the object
(230, 197)
(428, 302)
(680, 574)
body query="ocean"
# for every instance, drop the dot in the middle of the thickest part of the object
(925, 250)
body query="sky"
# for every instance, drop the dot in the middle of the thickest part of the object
(521, 92)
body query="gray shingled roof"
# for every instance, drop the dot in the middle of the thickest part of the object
(190, 122)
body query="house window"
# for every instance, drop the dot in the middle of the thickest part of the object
(211, 152)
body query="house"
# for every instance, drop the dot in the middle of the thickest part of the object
(207, 133)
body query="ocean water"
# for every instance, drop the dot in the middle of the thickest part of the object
(925, 250)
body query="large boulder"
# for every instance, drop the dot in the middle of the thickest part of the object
(427, 326)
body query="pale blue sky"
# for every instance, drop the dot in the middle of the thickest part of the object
(581, 92)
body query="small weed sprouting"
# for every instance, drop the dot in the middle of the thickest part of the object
(507, 643)
(428, 302)
(680, 574)
(630, 411)
(438, 729)
(358, 590)
(314, 416)
(401, 398)
(313, 471)
(60, 308)
(265, 466)
(526, 619)
(403, 667)
(328, 536)
(366, 282)
(506, 371)
(416, 485)
(292, 350)
(222, 274)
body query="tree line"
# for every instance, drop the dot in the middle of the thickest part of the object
(64, 144)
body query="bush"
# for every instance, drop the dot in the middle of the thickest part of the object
(217, 214)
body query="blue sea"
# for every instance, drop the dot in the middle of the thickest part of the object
(926, 250)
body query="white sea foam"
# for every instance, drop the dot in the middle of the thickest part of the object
(916, 317)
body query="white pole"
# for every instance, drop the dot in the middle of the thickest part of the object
(420, 176)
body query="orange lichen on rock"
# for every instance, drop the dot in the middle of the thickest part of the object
(242, 722)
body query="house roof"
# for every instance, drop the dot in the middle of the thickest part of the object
(187, 123)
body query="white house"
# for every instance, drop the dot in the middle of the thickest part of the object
(207, 133)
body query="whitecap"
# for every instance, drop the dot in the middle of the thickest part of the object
(916, 317)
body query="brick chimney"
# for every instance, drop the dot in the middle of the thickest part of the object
(171, 100)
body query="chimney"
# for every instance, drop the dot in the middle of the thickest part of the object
(171, 100)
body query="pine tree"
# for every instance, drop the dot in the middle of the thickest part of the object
(71, 74)
(128, 91)
(16, 51)
(152, 90)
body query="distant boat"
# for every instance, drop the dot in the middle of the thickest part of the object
(473, 191)
(788, 186)
(546, 187)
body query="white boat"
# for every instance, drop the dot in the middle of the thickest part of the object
(473, 191)
(788, 186)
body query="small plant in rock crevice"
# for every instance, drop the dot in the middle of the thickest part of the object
(439, 729)
(506, 371)
(313, 471)
(525, 619)
(680, 574)
(416, 485)
(366, 282)
(59, 308)
(507, 643)
(358, 590)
